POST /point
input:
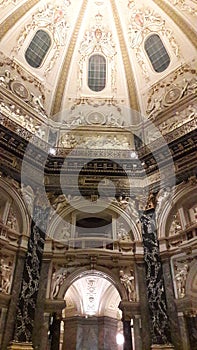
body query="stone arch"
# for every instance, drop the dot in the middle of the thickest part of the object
(181, 196)
(58, 219)
(99, 271)
(11, 192)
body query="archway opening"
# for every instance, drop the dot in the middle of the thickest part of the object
(91, 319)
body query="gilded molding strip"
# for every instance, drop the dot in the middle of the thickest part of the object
(65, 68)
(183, 25)
(133, 96)
(15, 16)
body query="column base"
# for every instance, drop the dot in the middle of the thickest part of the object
(162, 347)
(20, 346)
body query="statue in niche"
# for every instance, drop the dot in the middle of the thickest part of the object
(59, 202)
(161, 198)
(65, 232)
(12, 220)
(128, 283)
(28, 195)
(175, 225)
(122, 233)
(5, 277)
(57, 280)
(128, 204)
(181, 277)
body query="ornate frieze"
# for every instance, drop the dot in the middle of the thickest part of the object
(180, 118)
(171, 90)
(24, 85)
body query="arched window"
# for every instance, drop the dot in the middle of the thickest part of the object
(97, 72)
(157, 53)
(38, 48)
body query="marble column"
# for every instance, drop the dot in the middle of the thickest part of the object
(171, 305)
(127, 309)
(55, 331)
(191, 321)
(183, 330)
(40, 332)
(24, 323)
(11, 312)
(127, 335)
(160, 333)
(137, 332)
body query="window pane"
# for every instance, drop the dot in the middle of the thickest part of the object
(38, 48)
(157, 53)
(97, 73)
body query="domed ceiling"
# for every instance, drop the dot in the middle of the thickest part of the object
(118, 31)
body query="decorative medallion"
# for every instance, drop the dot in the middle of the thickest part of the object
(172, 95)
(20, 90)
(95, 118)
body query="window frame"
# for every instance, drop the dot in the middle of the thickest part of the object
(47, 52)
(150, 62)
(106, 71)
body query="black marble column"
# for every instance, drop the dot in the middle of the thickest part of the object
(55, 332)
(172, 309)
(31, 276)
(160, 333)
(127, 335)
(191, 322)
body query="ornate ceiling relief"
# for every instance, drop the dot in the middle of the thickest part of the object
(171, 90)
(185, 5)
(52, 17)
(97, 39)
(142, 23)
(4, 3)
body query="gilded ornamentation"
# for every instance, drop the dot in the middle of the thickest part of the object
(143, 22)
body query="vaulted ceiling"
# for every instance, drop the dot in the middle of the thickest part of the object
(116, 29)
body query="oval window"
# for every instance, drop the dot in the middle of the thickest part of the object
(38, 48)
(97, 72)
(157, 53)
